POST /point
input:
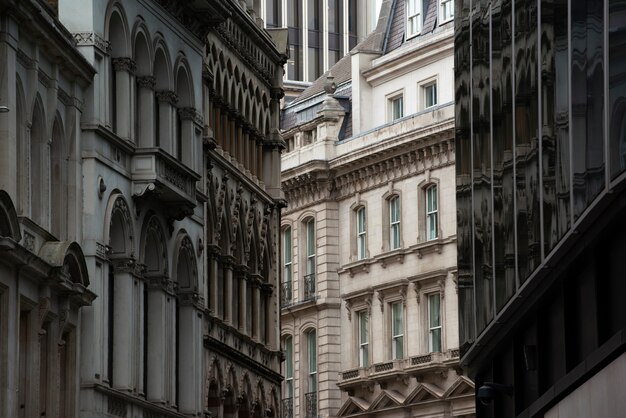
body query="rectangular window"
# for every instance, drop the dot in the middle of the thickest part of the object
(361, 234)
(397, 330)
(394, 223)
(432, 223)
(352, 23)
(434, 323)
(287, 269)
(446, 10)
(288, 368)
(335, 31)
(315, 38)
(430, 95)
(363, 339)
(396, 108)
(294, 24)
(414, 18)
(272, 13)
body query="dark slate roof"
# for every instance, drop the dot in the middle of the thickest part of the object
(341, 71)
(395, 38)
(430, 17)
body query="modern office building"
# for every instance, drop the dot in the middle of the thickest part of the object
(540, 140)
(320, 33)
(369, 302)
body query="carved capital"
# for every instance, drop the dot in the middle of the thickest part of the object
(167, 96)
(124, 265)
(124, 64)
(187, 113)
(147, 82)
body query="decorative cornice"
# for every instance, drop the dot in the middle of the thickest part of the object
(92, 39)
(44, 78)
(24, 59)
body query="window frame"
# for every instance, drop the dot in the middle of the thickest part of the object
(432, 329)
(310, 254)
(432, 213)
(397, 336)
(426, 95)
(288, 390)
(361, 233)
(395, 226)
(363, 339)
(288, 261)
(391, 99)
(441, 17)
(418, 15)
(311, 341)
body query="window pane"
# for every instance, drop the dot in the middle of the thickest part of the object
(397, 318)
(435, 340)
(310, 231)
(289, 358)
(312, 352)
(287, 245)
(434, 308)
(398, 348)
(363, 322)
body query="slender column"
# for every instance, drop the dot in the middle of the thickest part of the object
(252, 145)
(145, 135)
(246, 148)
(228, 289)
(217, 127)
(123, 327)
(259, 158)
(167, 99)
(243, 307)
(213, 254)
(159, 287)
(189, 354)
(124, 69)
(187, 115)
(256, 295)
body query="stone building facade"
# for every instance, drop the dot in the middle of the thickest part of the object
(369, 303)
(125, 212)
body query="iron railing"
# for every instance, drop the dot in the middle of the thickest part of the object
(309, 286)
(311, 405)
(286, 295)
(288, 408)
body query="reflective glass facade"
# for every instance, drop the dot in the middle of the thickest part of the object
(540, 156)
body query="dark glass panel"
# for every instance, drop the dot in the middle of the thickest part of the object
(555, 121)
(315, 39)
(352, 23)
(502, 122)
(294, 22)
(314, 14)
(617, 85)
(526, 139)
(463, 174)
(481, 165)
(315, 60)
(587, 102)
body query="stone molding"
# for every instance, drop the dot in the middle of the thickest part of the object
(92, 39)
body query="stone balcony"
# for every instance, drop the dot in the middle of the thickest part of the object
(406, 367)
(158, 176)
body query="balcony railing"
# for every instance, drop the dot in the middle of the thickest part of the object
(287, 408)
(311, 405)
(309, 286)
(286, 295)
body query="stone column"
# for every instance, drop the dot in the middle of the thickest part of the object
(187, 115)
(243, 306)
(213, 253)
(189, 368)
(123, 326)
(256, 305)
(145, 135)
(228, 289)
(167, 99)
(159, 288)
(124, 69)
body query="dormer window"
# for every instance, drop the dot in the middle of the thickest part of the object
(414, 18)
(446, 10)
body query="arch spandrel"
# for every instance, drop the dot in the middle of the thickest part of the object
(9, 224)
(119, 228)
(154, 247)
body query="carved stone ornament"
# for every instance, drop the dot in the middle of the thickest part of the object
(124, 64)
(167, 96)
(187, 113)
(92, 39)
(146, 81)
(329, 84)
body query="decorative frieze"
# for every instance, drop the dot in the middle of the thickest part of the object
(24, 59)
(65, 98)
(92, 39)
(44, 78)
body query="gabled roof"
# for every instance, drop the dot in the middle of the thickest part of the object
(424, 392)
(386, 399)
(462, 387)
(353, 405)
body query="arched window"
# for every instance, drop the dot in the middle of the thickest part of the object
(39, 168)
(288, 373)
(310, 401)
(309, 278)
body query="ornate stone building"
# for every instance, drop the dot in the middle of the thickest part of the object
(369, 302)
(139, 209)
